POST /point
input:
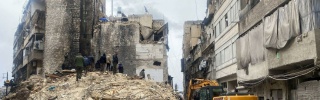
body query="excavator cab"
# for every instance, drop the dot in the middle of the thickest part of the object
(208, 92)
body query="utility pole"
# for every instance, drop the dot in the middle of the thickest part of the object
(6, 82)
(7, 86)
(112, 8)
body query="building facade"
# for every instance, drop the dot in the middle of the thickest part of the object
(226, 31)
(278, 54)
(140, 41)
(51, 32)
(265, 47)
(191, 55)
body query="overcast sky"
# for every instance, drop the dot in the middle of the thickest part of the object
(175, 12)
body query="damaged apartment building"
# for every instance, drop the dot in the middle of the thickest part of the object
(140, 41)
(51, 33)
(210, 51)
(266, 47)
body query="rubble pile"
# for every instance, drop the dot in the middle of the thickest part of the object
(94, 86)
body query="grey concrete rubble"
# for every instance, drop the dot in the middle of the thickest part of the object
(95, 86)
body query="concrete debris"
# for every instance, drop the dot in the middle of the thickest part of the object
(94, 86)
(148, 42)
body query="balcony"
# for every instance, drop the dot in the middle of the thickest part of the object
(32, 55)
(300, 51)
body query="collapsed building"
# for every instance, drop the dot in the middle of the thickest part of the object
(50, 34)
(140, 41)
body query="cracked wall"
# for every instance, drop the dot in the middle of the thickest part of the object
(56, 34)
(124, 38)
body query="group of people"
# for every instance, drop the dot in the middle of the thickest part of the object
(105, 62)
(110, 64)
(84, 63)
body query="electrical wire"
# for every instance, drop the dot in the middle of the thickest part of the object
(311, 69)
(196, 9)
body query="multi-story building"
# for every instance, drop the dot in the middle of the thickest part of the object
(28, 42)
(191, 51)
(278, 49)
(140, 41)
(213, 55)
(51, 32)
(225, 31)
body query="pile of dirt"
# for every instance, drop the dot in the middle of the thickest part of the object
(94, 86)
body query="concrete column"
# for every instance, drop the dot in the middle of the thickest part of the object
(57, 41)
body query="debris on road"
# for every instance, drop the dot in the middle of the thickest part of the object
(94, 86)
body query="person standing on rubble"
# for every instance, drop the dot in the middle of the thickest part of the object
(120, 68)
(86, 65)
(142, 74)
(115, 62)
(103, 62)
(109, 62)
(91, 59)
(79, 65)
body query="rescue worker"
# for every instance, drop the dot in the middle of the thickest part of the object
(115, 62)
(109, 62)
(142, 74)
(120, 68)
(91, 59)
(86, 64)
(79, 65)
(103, 63)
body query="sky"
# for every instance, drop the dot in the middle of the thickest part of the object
(175, 12)
(11, 12)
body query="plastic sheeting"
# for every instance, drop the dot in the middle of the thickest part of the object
(256, 48)
(288, 25)
(243, 55)
(281, 26)
(250, 48)
(270, 30)
(309, 14)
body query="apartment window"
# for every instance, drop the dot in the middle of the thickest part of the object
(224, 84)
(234, 49)
(222, 57)
(218, 59)
(217, 28)
(226, 19)
(228, 53)
(222, 25)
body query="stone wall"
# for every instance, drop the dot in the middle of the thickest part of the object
(57, 34)
(124, 38)
(62, 36)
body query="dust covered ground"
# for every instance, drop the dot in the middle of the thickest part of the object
(94, 86)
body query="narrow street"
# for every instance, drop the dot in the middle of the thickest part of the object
(160, 50)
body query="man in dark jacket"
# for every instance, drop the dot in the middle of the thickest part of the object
(91, 59)
(115, 62)
(142, 74)
(87, 64)
(79, 65)
(103, 61)
(120, 68)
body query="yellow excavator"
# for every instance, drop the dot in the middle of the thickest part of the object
(210, 90)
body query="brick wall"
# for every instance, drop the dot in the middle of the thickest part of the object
(309, 90)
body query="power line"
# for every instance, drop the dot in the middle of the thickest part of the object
(196, 9)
